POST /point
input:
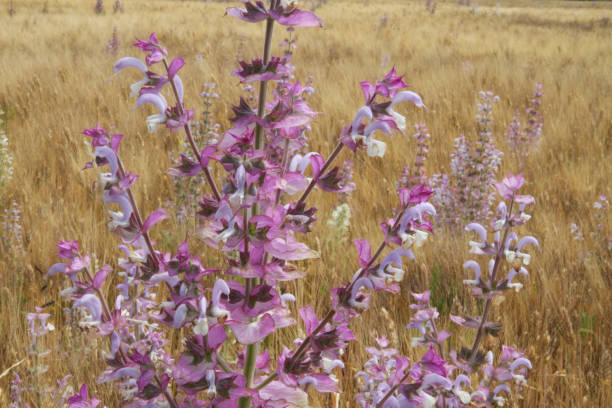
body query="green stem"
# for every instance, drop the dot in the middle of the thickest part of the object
(263, 85)
(253, 349)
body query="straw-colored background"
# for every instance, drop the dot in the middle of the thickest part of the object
(53, 83)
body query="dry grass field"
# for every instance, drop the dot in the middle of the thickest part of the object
(54, 73)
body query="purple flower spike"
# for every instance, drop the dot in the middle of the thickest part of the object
(90, 302)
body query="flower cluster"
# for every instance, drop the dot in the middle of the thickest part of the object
(412, 176)
(523, 141)
(112, 47)
(6, 160)
(467, 192)
(182, 334)
(12, 239)
(449, 380)
(600, 237)
(99, 7)
(258, 235)
(117, 7)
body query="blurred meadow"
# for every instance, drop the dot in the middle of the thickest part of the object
(55, 81)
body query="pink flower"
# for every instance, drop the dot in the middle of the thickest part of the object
(81, 399)
(256, 71)
(156, 52)
(509, 185)
(283, 12)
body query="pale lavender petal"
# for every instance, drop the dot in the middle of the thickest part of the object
(92, 304)
(512, 236)
(219, 289)
(57, 268)
(474, 266)
(500, 388)
(179, 315)
(107, 153)
(123, 201)
(179, 86)
(408, 96)
(129, 62)
(363, 112)
(361, 283)
(462, 379)
(520, 362)
(474, 226)
(436, 380)
(378, 125)
(154, 98)
(527, 240)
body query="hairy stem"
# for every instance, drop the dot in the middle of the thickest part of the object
(263, 85)
(136, 213)
(253, 349)
(487, 309)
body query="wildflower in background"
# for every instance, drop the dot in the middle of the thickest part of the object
(16, 392)
(600, 236)
(417, 174)
(6, 160)
(468, 191)
(340, 221)
(468, 376)
(524, 141)
(118, 7)
(99, 7)
(112, 47)
(12, 232)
